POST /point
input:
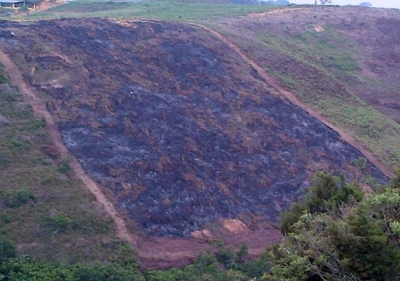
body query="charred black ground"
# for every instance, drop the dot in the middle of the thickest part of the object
(174, 123)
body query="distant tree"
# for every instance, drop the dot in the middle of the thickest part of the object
(365, 4)
(268, 2)
(323, 2)
(282, 2)
(244, 2)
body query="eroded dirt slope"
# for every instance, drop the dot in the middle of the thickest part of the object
(174, 123)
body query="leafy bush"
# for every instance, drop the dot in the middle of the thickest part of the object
(342, 239)
(23, 268)
(327, 194)
(64, 167)
(61, 221)
(3, 79)
(9, 199)
(7, 250)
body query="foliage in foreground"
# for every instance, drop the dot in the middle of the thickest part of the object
(225, 265)
(22, 269)
(335, 233)
(344, 237)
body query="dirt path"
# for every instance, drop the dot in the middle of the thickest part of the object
(292, 98)
(257, 15)
(40, 110)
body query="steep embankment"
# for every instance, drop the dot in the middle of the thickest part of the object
(177, 126)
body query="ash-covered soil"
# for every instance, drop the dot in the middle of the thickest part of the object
(174, 123)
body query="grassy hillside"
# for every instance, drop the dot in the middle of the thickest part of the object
(43, 209)
(323, 57)
(165, 10)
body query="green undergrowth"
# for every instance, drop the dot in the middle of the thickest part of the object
(336, 57)
(328, 56)
(330, 49)
(371, 128)
(159, 10)
(223, 265)
(44, 210)
(333, 233)
(3, 76)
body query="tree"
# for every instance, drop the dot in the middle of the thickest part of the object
(327, 194)
(323, 2)
(282, 2)
(352, 241)
(7, 249)
(365, 4)
(268, 2)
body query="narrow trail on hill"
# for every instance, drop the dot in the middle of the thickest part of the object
(257, 15)
(40, 110)
(292, 98)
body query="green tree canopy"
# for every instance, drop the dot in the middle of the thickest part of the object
(334, 234)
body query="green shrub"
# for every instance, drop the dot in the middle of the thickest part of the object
(23, 268)
(61, 221)
(64, 167)
(3, 79)
(7, 249)
(352, 237)
(327, 194)
(15, 199)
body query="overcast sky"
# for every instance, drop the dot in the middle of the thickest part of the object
(375, 3)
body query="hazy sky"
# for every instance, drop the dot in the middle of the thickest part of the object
(375, 3)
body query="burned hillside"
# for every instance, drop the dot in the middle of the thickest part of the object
(176, 125)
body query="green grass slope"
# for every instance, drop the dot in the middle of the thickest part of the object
(318, 55)
(162, 10)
